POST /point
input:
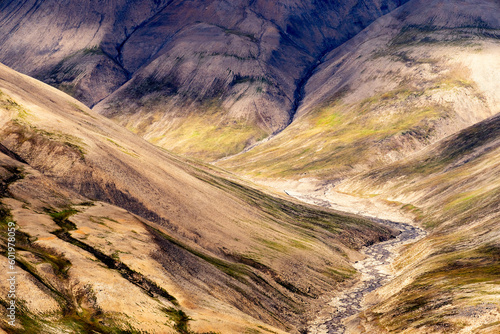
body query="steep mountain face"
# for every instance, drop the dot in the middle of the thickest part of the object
(107, 222)
(415, 76)
(165, 69)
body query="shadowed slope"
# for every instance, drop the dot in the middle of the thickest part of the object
(166, 68)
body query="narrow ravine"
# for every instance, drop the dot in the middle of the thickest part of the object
(375, 272)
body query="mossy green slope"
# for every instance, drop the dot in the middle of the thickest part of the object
(204, 132)
(451, 278)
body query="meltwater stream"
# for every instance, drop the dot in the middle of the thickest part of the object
(375, 272)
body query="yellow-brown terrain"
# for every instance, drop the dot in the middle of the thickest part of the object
(116, 234)
(388, 109)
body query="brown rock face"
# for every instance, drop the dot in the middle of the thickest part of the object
(247, 60)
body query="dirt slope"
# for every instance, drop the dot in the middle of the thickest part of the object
(91, 197)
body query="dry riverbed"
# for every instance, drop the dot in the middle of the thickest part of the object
(375, 268)
(375, 272)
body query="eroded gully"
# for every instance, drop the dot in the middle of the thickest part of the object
(375, 272)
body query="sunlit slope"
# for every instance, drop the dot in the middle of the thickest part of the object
(449, 281)
(416, 75)
(226, 254)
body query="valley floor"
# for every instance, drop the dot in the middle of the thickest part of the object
(375, 272)
(375, 268)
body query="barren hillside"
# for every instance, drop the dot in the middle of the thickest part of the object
(108, 221)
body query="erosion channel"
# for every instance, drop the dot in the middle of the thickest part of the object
(375, 272)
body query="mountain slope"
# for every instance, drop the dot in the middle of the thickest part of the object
(415, 76)
(448, 282)
(97, 208)
(406, 114)
(167, 68)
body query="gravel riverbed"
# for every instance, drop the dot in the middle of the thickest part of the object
(375, 268)
(375, 272)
